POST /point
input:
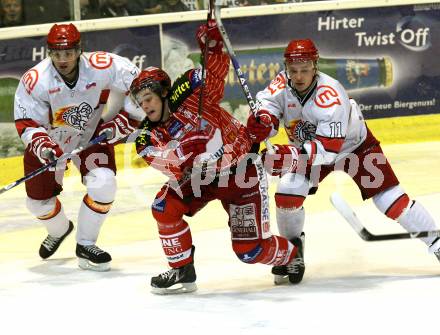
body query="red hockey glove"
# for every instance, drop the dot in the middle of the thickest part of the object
(215, 38)
(283, 160)
(119, 127)
(191, 147)
(260, 125)
(44, 148)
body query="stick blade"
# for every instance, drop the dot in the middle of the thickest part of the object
(344, 209)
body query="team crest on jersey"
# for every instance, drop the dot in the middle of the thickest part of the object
(301, 131)
(77, 116)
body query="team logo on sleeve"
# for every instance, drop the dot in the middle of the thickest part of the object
(277, 84)
(29, 80)
(77, 116)
(326, 97)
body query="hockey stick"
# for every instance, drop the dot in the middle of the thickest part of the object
(238, 72)
(350, 216)
(63, 157)
(204, 62)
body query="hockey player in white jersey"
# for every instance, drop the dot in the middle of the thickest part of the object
(58, 107)
(326, 132)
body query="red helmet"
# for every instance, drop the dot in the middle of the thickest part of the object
(301, 51)
(63, 36)
(153, 78)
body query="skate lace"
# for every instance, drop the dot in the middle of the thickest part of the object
(94, 249)
(50, 242)
(294, 266)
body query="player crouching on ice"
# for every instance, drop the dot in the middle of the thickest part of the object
(172, 117)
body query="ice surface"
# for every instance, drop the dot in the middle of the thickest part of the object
(350, 286)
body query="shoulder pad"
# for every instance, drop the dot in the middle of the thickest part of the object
(182, 88)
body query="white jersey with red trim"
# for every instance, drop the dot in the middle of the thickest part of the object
(45, 103)
(325, 122)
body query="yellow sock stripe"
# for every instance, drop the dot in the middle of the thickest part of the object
(98, 207)
(53, 213)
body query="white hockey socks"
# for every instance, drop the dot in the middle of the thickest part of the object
(50, 212)
(90, 219)
(290, 222)
(416, 218)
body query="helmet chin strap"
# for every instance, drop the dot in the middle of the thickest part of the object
(162, 112)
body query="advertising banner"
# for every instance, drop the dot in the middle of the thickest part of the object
(387, 58)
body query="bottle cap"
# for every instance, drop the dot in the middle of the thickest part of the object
(388, 67)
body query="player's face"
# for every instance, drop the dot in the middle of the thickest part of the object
(151, 104)
(65, 61)
(301, 74)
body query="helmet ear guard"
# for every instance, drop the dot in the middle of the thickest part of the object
(301, 51)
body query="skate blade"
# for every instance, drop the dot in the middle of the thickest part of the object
(175, 289)
(280, 280)
(87, 265)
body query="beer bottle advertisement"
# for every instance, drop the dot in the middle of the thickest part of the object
(386, 58)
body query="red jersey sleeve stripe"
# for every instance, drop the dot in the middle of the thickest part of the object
(331, 144)
(22, 124)
(104, 96)
(313, 151)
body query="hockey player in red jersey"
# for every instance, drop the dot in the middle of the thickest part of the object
(213, 149)
(327, 132)
(58, 108)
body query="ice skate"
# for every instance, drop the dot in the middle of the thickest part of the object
(91, 257)
(294, 271)
(51, 244)
(175, 281)
(435, 248)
